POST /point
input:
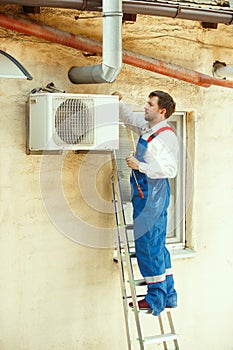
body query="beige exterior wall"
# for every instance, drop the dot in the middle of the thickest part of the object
(57, 294)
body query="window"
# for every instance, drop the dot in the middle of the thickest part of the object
(176, 210)
(176, 235)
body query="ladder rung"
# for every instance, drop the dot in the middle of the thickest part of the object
(160, 338)
(131, 246)
(141, 282)
(138, 296)
(129, 227)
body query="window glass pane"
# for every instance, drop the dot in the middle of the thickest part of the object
(176, 220)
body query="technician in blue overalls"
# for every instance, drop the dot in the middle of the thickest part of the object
(155, 161)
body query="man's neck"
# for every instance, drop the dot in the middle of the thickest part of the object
(153, 123)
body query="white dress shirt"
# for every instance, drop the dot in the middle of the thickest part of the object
(162, 155)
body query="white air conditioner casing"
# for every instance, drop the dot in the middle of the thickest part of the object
(60, 121)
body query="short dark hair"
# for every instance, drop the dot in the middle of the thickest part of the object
(164, 101)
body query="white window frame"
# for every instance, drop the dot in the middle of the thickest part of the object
(176, 237)
(176, 227)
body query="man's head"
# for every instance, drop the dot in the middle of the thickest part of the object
(164, 101)
(160, 106)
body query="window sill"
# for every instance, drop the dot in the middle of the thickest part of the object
(179, 253)
(182, 253)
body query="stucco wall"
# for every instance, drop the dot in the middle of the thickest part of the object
(57, 294)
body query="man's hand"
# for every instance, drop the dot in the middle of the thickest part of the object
(117, 93)
(132, 162)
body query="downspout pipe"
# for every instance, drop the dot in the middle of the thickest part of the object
(112, 49)
(88, 45)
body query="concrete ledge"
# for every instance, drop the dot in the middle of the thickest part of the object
(182, 253)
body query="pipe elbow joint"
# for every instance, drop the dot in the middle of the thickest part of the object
(93, 74)
(222, 71)
(112, 49)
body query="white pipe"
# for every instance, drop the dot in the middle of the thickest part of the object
(221, 70)
(112, 49)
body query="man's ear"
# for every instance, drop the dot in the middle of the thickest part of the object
(163, 112)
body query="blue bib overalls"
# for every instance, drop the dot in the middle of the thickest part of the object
(150, 223)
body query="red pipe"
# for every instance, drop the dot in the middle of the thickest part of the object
(88, 45)
(48, 33)
(165, 68)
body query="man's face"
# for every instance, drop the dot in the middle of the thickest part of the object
(154, 114)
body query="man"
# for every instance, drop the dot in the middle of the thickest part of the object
(155, 161)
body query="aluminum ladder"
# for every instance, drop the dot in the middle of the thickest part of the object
(138, 322)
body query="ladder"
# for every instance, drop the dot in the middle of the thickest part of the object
(138, 322)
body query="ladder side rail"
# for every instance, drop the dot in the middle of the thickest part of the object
(172, 329)
(162, 331)
(129, 267)
(121, 267)
(122, 208)
(131, 149)
(123, 216)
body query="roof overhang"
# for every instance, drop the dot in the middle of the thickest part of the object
(181, 10)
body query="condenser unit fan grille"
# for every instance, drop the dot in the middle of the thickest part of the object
(74, 121)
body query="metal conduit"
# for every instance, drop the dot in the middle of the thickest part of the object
(161, 9)
(112, 49)
(222, 70)
(87, 45)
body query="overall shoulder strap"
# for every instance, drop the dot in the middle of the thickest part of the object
(151, 137)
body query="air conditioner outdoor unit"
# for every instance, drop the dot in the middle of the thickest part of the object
(60, 121)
